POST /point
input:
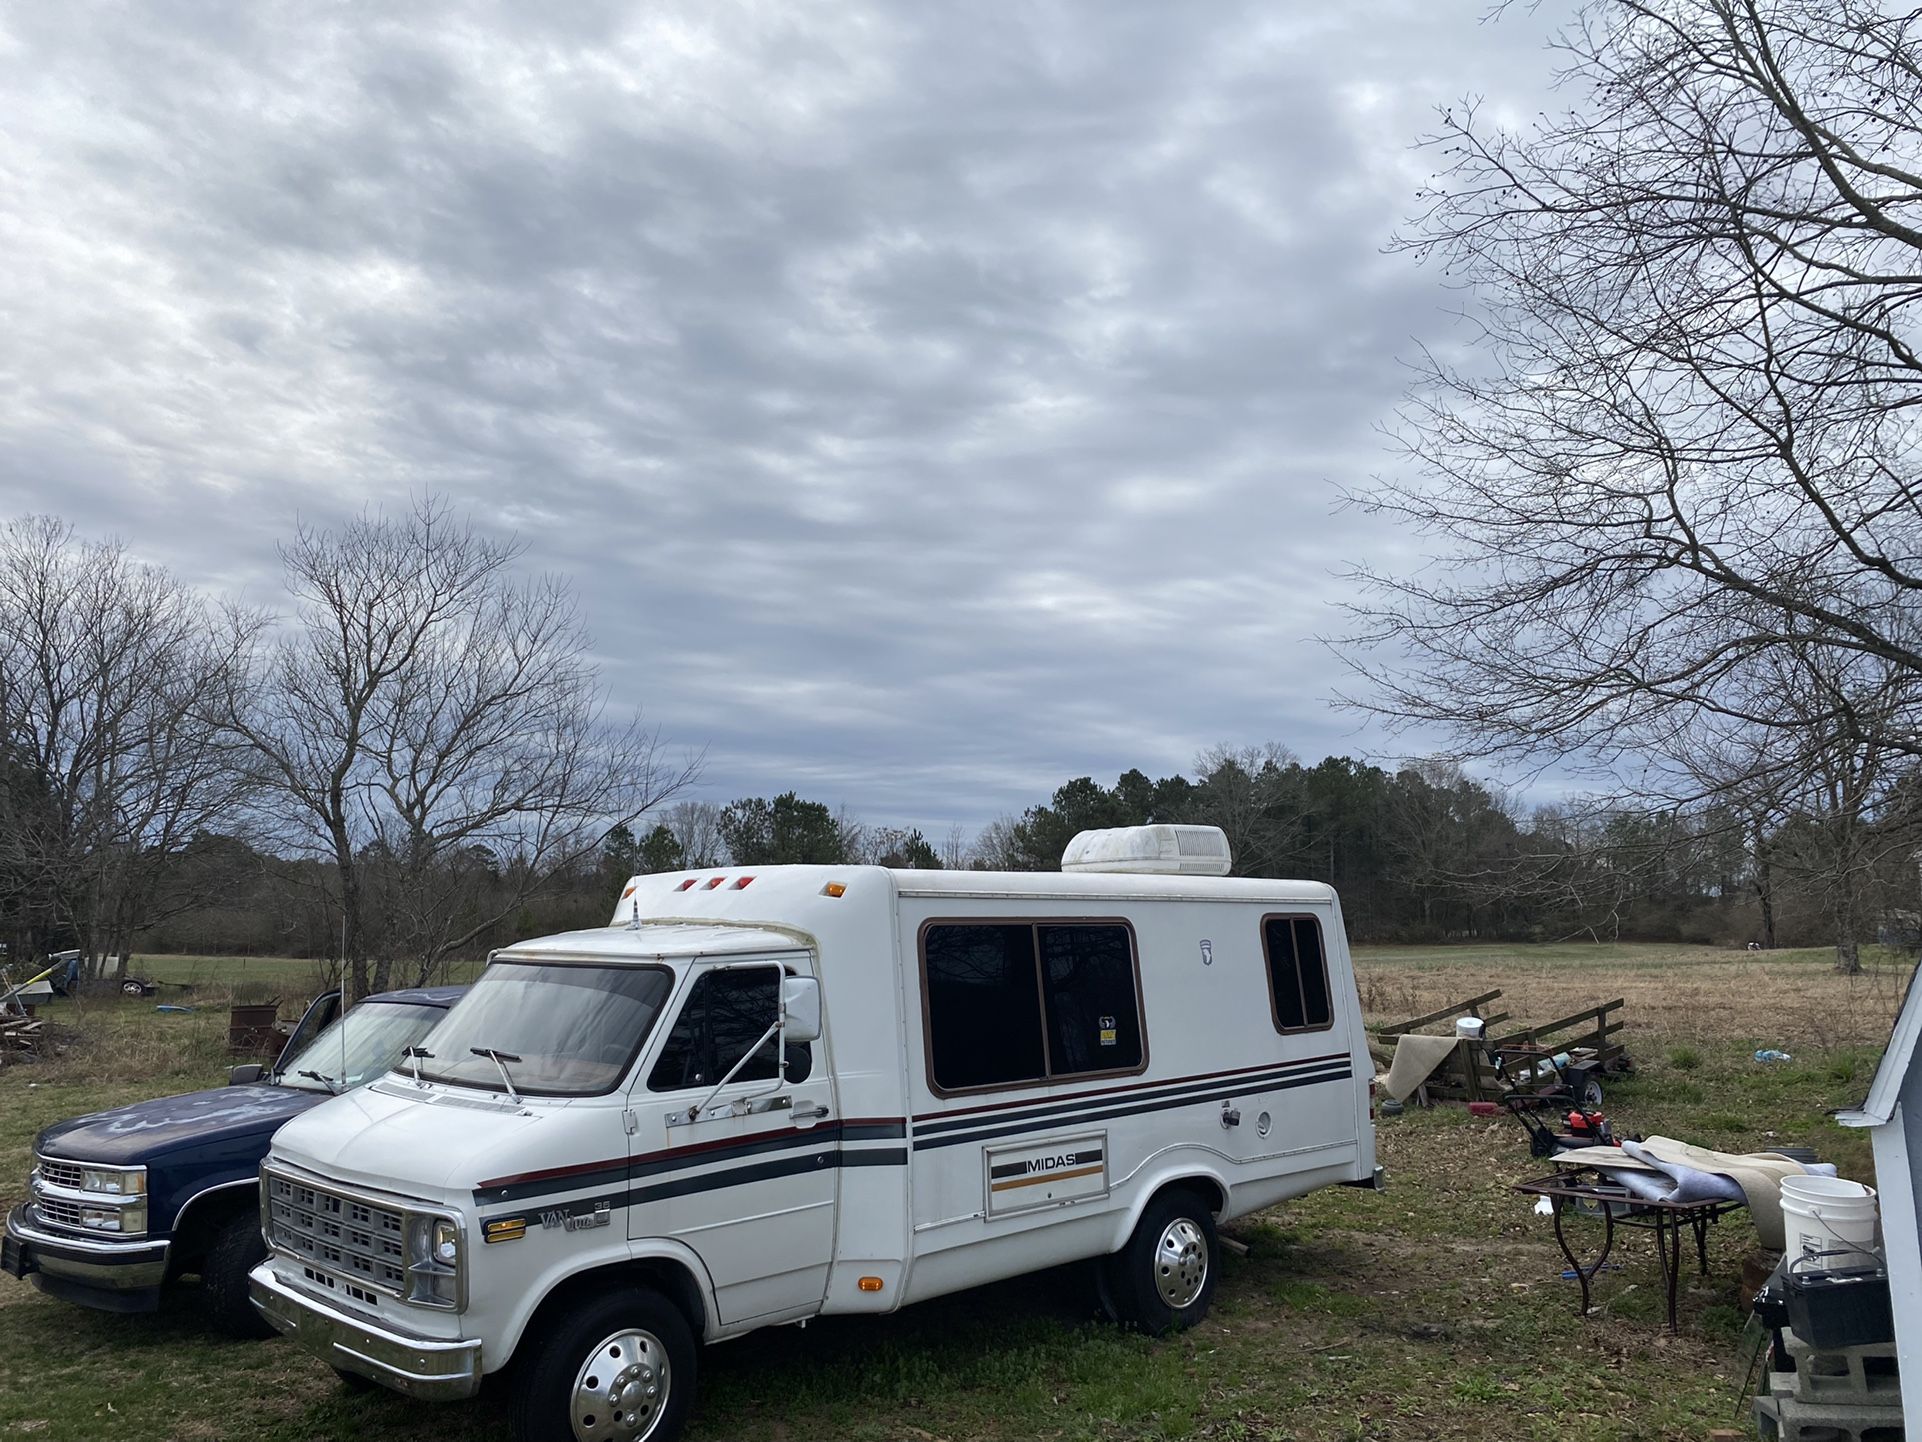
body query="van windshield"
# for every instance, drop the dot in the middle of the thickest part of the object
(576, 1029)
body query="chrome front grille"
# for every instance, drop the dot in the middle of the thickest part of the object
(60, 1174)
(347, 1235)
(58, 1213)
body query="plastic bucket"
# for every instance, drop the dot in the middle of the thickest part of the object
(1828, 1214)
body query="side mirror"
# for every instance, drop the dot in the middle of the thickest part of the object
(801, 1007)
(252, 1071)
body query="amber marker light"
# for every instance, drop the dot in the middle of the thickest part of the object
(506, 1229)
(869, 1284)
(835, 888)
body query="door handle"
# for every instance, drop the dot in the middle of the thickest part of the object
(812, 1113)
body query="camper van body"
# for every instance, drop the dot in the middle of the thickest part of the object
(948, 1124)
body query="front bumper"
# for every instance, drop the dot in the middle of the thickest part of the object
(113, 1275)
(433, 1368)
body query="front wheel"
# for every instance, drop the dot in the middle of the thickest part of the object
(1164, 1279)
(236, 1249)
(620, 1369)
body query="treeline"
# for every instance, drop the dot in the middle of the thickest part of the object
(1419, 854)
(409, 765)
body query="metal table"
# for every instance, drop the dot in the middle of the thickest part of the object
(1582, 1187)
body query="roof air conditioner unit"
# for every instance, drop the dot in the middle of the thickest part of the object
(1150, 851)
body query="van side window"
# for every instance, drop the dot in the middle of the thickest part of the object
(1297, 973)
(724, 1015)
(1013, 1003)
(1088, 978)
(984, 1010)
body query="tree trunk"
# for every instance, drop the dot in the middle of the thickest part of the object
(1848, 960)
(1765, 891)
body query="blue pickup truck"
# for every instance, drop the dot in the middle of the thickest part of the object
(122, 1203)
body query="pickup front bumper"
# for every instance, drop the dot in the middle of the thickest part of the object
(112, 1274)
(433, 1368)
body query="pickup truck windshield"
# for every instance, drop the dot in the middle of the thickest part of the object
(576, 1029)
(375, 1033)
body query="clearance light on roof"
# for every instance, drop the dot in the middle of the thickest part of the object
(714, 883)
(689, 882)
(741, 883)
(834, 888)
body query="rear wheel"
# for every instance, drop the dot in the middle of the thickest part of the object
(619, 1369)
(236, 1249)
(1164, 1279)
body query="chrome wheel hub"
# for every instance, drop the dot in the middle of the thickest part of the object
(1181, 1263)
(621, 1389)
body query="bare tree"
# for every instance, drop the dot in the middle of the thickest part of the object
(436, 726)
(1680, 438)
(1833, 808)
(110, 685)
(697, 828)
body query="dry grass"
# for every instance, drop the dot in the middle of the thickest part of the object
(1786, 999)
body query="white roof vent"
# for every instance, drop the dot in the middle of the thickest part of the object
(1151, 851)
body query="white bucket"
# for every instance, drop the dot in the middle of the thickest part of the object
(1828, 1214)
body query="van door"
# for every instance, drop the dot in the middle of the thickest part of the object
(745, 1175)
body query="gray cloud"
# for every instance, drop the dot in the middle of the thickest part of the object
(929, 404)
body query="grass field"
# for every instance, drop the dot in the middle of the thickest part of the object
(1435, 1310)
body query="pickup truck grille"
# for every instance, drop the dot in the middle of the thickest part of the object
(347, 1235)
(57, 1213)
(59, 1174)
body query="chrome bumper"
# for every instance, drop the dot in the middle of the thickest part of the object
(120, 1274)
(428, 1367)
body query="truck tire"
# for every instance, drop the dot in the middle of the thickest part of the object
(1163, 1280)
(236, 1249)
(619, 1369)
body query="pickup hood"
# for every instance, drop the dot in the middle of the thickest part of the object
(223, 1122)
(432, 1145)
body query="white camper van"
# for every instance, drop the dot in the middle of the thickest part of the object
(595, 1163)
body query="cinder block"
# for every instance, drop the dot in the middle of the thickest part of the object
(1864, 1376)
(1784, 1419)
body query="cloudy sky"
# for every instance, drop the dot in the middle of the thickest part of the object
(930, 403)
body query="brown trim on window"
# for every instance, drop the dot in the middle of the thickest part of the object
(1268, 967)
(1048, 1078)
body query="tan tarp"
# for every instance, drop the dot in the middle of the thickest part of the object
(1758, 1174)
(1416, 1058)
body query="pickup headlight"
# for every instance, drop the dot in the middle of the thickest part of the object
(114, 1182)
(124, 1221)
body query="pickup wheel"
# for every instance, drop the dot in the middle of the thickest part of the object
(1164, 1279)
(620, 1369)
(236, 1249)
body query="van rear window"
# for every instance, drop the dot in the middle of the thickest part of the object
(1297, 973)
(1019, 1003)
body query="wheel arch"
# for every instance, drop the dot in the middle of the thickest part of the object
(676, 1274)
(203, 1214)
(1184, 1176)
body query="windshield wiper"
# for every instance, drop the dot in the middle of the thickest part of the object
(501, 1059)
(414, 1054)
(326, 1081)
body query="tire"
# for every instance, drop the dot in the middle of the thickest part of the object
(590, 1378)
(1164, 1279)
(236, 1249)
(1592, 1095)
